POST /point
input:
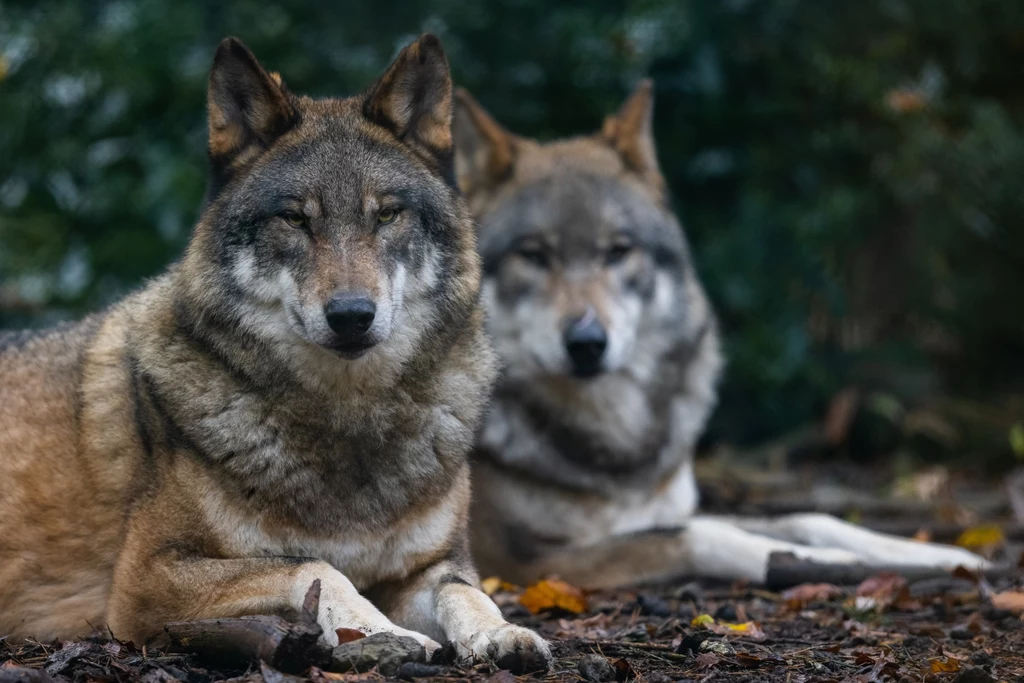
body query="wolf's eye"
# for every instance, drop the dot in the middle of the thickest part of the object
(618, 251)
(386, 216)
(534, 254)
(295, 219)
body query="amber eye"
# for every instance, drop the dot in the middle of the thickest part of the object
(618, 252)
(386, 216)
(295, 219)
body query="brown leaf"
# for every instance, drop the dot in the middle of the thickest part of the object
(882, 586)
(811, 592)
(347, 635)
(944, 665)
(623, 670)
(1009, 600)
(553, 594)
(706, 660)
(503, 676)
(749, 661)
(597, 627)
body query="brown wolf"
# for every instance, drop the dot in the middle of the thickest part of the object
(294, 400)
(611, 356)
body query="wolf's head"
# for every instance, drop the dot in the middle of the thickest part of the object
(586, 270)
(332, 226)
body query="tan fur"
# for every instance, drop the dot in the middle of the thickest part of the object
(201, 450)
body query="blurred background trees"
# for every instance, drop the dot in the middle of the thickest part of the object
(850, 173)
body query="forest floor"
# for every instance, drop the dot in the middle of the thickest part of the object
(954, 627)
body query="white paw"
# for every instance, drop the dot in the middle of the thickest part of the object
(928, 554)
(509, 647)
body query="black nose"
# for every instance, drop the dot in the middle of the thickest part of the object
(350, 315)
(586, 340)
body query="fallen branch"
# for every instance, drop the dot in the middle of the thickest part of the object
(786, 571)
(238, 642)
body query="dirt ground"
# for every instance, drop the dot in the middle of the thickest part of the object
(932, 630)
(956, 627)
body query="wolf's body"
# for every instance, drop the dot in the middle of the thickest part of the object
(293, 401)
(611, 359)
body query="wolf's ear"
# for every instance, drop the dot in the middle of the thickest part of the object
(484, 151)
(630, 132)
(413, 99)
(248, 108)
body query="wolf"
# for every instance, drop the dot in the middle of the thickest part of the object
(611, 355)
(293, 401)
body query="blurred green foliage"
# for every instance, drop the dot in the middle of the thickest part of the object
(850, 172)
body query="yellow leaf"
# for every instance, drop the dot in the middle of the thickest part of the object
(947, 665)
(981, 537)
(702, 620)
(553, 594)
(492, 585)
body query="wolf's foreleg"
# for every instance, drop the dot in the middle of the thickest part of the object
(152, 590)
(445, 601)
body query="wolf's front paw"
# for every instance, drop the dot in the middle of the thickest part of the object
(510, 647)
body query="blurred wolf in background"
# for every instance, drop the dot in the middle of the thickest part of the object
(611, 358)
(294, 401)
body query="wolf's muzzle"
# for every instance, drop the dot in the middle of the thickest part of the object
(350, 316)
(585, 342)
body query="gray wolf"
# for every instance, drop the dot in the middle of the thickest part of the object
(294, 400)
(611, 357)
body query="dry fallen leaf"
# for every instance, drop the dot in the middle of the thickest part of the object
(553, 594)
(747, 629)
(811, 592)
(1009, 600)
(493, 584)
(944, 665)
(706, 660)
(984, 539)
(702, 620)
(347, 635)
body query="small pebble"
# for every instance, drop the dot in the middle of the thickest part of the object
(596, 668)
(961, 633)
(718, 647)
(410, 670)
(981, 658)
(653, 606)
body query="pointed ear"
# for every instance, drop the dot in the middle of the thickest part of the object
(630, 132)
(248, 108)
(413, 99)
(484, 151)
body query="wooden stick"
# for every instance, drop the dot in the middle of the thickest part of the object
(785, 571)
(240, 641)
